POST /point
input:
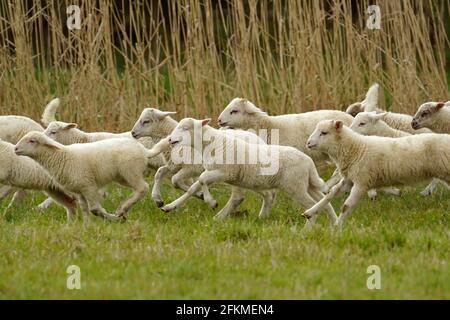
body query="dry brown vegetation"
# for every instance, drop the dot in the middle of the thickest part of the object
(194, 56)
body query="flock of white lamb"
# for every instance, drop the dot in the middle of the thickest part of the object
(372, 150)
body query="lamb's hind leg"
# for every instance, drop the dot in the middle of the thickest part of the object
(5, 191)
(93, 198)
(44, 205)
(355, 195)
(140, 189)
(429, 190)
(299, 193)
(372, 193)
(236, 198)
(317, 195)
(268, 198)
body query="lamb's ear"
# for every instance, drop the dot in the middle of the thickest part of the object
(338, 124)
(440, 105)
(204, 122)
(70, 126)
(354, 109)
(51, 146)
(162, 114)
(378, 115)
(250, 107)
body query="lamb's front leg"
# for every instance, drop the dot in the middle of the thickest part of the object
(17, 199)
(69, 203)
(355, 195)
(156, 190)
(206, 178)
(181, 178)
(334, 179)
(334, 192)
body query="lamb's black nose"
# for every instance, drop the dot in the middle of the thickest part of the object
(134, 134)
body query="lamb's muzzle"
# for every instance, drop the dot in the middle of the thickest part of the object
(310, 145)
(415, 125)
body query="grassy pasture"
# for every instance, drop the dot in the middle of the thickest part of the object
(188, 255)
(194, 56)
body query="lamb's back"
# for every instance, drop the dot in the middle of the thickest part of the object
(13, 128)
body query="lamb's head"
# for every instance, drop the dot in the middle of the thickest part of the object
(427, 114)
(239, 113)
(35, 143)
(326, 134)
(354, 109)
(151, 123)
(62, 132)
(368, 123)
(188, 132)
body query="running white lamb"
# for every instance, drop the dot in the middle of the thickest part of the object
(259, 167)
(12, 128)
(397, 121)
(291, 129)
(84, 169)
(368, 162)
(24, 173)
(434, 116)
(158, 125)
(372, 124)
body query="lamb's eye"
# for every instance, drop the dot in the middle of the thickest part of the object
(32, 141)
(424, 114)
(145, 122)
(323, 133)
(185, 128)
(53, 132)
(362, 124)
(233, 111)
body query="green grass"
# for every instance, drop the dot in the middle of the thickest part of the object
(188, 255)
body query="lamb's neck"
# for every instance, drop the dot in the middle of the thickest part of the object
(167, 126)
(390, 132)
(442, 125)
(348, 151)
(81, 137)
(212, 134)
(4, 146)
(53, 160)
(258, 121)
(266, 123)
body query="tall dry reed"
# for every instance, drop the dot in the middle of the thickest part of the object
(195, 55)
